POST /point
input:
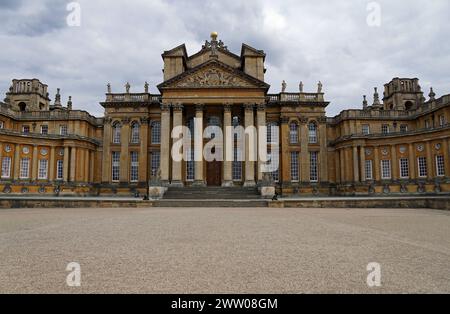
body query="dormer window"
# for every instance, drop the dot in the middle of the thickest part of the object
(385, 129)
(63, 129)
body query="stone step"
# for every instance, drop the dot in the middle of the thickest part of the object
(201, 193)
(210, 203)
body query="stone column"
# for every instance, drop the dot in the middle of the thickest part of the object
(1, 155)
(106, 154)
(124, 153)
(143, 154)
(73, 164)
(165, 143)
(412, 162)
(285, 152)
(446, 154)
(323, 155)
(16, 162)
(304, 153)
(199, 179)
(362, 160)
(51, 164)
(249, 165)
(430, 161)
(177, 179)
(376, 166)
(261, 120)
(228, 145)
(355, 164)
(87, 163)
(92, 167)
(394, 161)
(342, 168)
(66, 164)
(337, 167)
(34, 169)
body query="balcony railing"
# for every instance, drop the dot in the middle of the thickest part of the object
(142, 97)
(295, 97)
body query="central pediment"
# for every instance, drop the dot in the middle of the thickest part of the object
(213, 74)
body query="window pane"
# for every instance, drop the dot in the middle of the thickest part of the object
(313, 168)
(156, 133)
(312, 129)
(422, 163)
(294, 166)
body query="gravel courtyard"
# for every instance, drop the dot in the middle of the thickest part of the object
(224, 250)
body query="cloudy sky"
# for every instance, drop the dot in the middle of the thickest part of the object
(120, 41)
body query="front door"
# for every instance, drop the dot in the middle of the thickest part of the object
(214, 173)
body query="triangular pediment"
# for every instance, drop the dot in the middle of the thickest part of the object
(213, 74)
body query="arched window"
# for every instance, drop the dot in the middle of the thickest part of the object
(156, 132)
(409, 105)
(293, 133)
(312, 128)
(22, 106)
(135, 133)
(116, 132)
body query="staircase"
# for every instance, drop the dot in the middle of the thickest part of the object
(212, 197)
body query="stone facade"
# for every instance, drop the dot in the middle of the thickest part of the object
(397, 145)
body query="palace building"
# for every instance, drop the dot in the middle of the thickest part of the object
(399, 144)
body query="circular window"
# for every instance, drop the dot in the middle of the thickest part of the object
(44, 152)
(26, 150)
(420, 148)
(8, 148)
(61, 152)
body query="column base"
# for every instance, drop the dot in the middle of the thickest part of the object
(227, 184)
(249, 184)
(199, 183)
(177, 184)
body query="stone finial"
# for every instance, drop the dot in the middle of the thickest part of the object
(365, 103)
(319, 87)
(127, 87)
(58, 98)
(69, 103)
(300, 87)
(283, 86)
(146, 87)
(108, 87)
(376, 98)
(432, 95)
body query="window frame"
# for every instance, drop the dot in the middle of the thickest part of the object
(422, 169)
(440, 166)
(401, 167)
(295, 166)
(383, 172)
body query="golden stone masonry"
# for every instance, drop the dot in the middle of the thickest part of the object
(398, 145)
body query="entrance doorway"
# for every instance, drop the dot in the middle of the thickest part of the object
(214, 173)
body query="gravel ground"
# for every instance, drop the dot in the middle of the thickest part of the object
(224, 250)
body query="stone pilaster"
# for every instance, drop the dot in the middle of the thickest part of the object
(446, 154)
(377, 165)
(304, 151)
(355, 164)
(92, 167)
(323, 155)
(285, 151)
(362, 160)
(143, 154)
(177, 179)
(16, 169)
(250, 147)
(73, 164)
(165, 143)
(412, 161)
(66, 164)
(124, 151)
(430, 161)
(342, 166)
(394, 161)
(106, 156)
(51, 164)
(35, 159)
(87, 163)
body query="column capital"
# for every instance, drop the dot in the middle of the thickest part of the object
(303, 119)
(165, 107)
(261, 107)
(227, 107)
(199, 107)
(126, 121)
(177, 107)
(322, 119)
(145, 120)
(107, 120)
(284, 120)
(249, 106)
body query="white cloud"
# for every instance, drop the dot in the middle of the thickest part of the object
(308, 40)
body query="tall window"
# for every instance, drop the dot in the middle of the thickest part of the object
(44, 129)
(237, 165)
(385, 129)
(155, 163)
(440, 166)
(24, 168)
(60, 170)
(6, 167)
(441, 120)
(116, 132)
(63, 129)
(2, 125)
(293, 133)
(369, 170)
(272, 133)
(43, 167)
(385, 169)
(422, 163)
(156, 132)
(403, 128)
(190, 165)
(312, 128)
(427, 124)
(134, 167)
(365, 129)
(115, 166)
(275, 161)
(26, 129)
(313, 168)
(404, 168)
(135, 133)
(294, 166)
